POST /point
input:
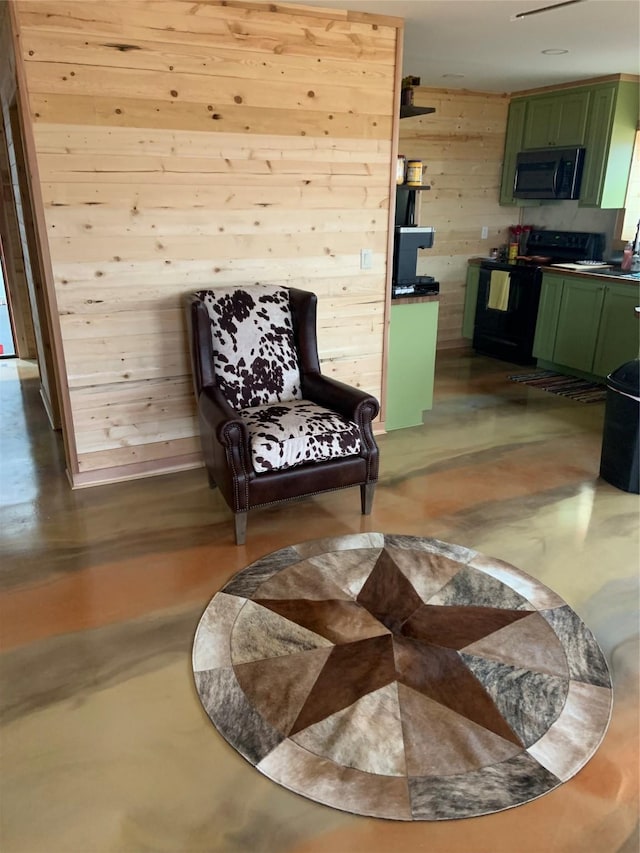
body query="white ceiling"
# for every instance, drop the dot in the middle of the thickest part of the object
(478, 39)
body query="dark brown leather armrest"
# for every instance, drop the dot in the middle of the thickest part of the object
(350, 402)
(221, 418)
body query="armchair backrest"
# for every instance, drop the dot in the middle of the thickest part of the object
(254, 355)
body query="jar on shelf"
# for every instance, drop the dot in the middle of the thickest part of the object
(414, 173)
(401, 166)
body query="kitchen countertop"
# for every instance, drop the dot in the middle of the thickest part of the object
(613, 274)
(409, 300)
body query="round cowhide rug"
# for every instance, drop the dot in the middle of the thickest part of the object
(401, 677)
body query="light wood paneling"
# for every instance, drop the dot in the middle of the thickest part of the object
(23, 283)
(462, 145)
(184, 145)
(13, 268)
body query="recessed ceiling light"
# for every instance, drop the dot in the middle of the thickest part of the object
(453, 75)
(554, 51)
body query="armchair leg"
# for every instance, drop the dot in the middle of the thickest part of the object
(366, 497)
(212, 482)
(240, 522)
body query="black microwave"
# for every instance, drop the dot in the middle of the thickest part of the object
(549, 173)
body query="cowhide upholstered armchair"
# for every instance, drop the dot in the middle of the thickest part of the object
(273, 428)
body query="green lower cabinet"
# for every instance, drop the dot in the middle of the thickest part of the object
(586, 326)
(470, 301)
(619, 332)
(412, 358)
(578, 321)
(548, 311)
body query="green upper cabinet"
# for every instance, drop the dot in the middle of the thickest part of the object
(611, 131)
(556, 120)
(603, 117)
(512, 144)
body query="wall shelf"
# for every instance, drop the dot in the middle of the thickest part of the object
(406, 203)
(407, 111)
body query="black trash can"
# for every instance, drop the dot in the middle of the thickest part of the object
(619, 459)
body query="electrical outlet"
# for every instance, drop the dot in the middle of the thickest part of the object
(485, 233)
(366, 259)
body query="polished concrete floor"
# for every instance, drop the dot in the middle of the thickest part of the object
(105, 745)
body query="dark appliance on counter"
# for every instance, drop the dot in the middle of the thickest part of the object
(507, 331)
(408, 240)
(546, 173)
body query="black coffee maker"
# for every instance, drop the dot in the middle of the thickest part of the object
(409, 239)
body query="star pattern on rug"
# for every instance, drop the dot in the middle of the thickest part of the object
(389, 634)
(401, 677)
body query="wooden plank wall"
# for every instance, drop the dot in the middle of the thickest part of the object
(462, 146)
(15, 272)
(185, 144)
(18, 272)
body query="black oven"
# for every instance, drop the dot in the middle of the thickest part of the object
(506, 330)
(507, 305)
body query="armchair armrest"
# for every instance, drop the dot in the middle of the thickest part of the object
(350, 402)
(226, 446)
(221, 418)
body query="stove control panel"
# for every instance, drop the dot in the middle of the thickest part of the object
(566, 245)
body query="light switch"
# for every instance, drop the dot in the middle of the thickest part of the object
(366, 259)
(485, 232)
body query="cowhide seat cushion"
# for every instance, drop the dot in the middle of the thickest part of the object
(287, 434)
(254, 354)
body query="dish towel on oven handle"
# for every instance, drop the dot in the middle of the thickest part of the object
(499, 284)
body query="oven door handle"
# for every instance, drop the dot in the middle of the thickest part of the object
(554, 180)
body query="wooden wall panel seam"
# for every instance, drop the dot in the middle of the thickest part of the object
(395, 140)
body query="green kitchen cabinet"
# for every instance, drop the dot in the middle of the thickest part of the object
(513, 144)
(547, 322)
(611, 132)
(585, 325)
(556, 120)
(578, 321)
(602, 117)
(411, 364)
(470, 300)
(618, 334)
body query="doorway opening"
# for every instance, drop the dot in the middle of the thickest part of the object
(7, 338)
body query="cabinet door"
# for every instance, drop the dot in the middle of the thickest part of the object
(611, 136)
(619, 333)
(470, 301)
(539, 127)
(512, 144)
(412, 354)
(597, 145)
(578, 321)
(547, 322)
(556, 120)
(571, 122)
